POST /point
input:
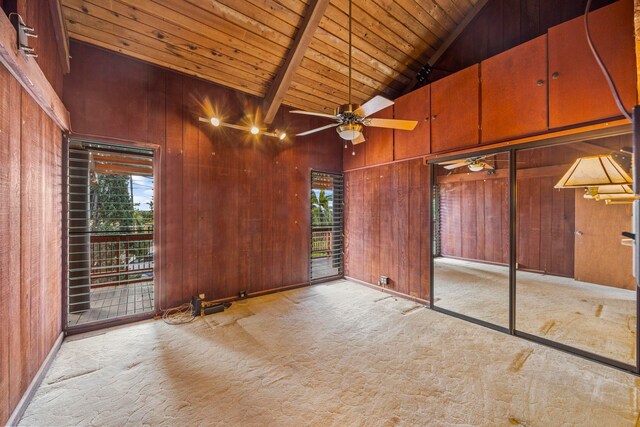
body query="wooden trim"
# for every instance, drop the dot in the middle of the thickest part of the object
(449, 40)
(274, 97)
(30, 76)
(18, 412)
(603, 129)
(389, 291)
(60, 31)
(598, 130)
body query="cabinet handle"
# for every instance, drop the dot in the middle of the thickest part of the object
(555, 75)
(434, 117)
(540, 82)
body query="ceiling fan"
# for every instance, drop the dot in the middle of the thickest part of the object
(474, 164)
(351, 118)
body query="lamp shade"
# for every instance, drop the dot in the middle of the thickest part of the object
(593, 171)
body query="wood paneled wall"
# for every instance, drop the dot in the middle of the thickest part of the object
(30, 232)
(503, 24)
(474, 220)
(234, 210)
(387, 226)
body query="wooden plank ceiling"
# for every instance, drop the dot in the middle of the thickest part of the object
(243, 44)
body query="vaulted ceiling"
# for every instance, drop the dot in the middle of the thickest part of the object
(249, 44)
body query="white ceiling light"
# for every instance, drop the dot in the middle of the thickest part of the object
(349, 131)
(476, 167)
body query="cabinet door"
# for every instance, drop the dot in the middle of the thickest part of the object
(455, 110)
(415, 105)
(379, 140)
(514, 92)
(578, 91)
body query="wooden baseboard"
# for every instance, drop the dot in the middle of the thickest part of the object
(15, 417)
(389, 291)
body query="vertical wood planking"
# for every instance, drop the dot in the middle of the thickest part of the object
(387, 226)
(9, 228)
(190, 197)
(172, 285)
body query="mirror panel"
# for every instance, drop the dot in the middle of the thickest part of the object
(574, 282)
(471, 237)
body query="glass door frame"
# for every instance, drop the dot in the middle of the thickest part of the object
(158, 156)
(512, 149)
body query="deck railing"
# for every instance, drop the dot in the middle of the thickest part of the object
(118, 259)
(321, 240)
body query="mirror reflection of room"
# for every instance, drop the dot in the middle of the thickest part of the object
(574, 272)
(471, 237)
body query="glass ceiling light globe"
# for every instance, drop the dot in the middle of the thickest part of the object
(215, 121)
(476, 167)
(349, 131)
(255, 130)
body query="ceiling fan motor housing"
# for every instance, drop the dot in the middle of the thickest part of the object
(347, 109)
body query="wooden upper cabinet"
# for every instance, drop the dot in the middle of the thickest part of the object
(415, 105)
(514, 92)
(379, 143)
(455, 110)
(578, 91)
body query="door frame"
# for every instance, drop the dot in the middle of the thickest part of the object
(158, 284)
(512, 149)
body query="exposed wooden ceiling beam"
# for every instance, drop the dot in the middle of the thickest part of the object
(280, 85)
(449, 40)
(62, 38)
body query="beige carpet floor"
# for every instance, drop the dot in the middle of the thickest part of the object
(337, 354)
(596, 318)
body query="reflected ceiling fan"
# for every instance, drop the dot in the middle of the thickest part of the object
(474, 164)
(351, 118)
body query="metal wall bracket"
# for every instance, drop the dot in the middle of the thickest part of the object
(24, 32)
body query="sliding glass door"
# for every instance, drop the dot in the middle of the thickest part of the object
(539, 242)
(471, 238)
(574, 281)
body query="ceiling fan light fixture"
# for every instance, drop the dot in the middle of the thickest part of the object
(349, 131)
(476, 167)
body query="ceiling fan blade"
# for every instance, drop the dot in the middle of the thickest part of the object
(373, 105)
(488, 166)
(456, 165)
(358, 140)
(392, 123)
(332, 125)
(311, 113)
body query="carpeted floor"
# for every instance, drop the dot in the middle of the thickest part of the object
(338, 354)
(596, 318)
